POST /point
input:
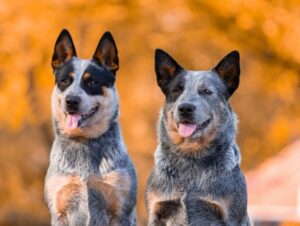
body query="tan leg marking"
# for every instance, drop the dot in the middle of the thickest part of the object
(155, 205)
(72, 189)
(61, 189)
(52, 186)
(154, 198)
(114, 187)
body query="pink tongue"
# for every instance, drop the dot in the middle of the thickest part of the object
(72, 121)
(186, 130)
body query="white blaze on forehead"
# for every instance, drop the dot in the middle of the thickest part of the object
(79, 68)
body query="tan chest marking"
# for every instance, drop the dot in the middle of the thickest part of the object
(61, 190)
(114, 187)
(73, 189)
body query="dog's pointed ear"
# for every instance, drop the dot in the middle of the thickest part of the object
(166, 68)
(229, 70)
(106, 53)
(64, 49)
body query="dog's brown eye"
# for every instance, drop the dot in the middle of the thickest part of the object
(205, 92)
(65, 81)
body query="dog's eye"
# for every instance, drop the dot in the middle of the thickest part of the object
(178, 89)
(91, 83)
(65, 81)
(205, 92)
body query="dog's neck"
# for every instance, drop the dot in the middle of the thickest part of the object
(89, 156)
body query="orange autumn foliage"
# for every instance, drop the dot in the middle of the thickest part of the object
(196, 33)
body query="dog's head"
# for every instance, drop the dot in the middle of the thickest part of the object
(84, 100)
(196, 106)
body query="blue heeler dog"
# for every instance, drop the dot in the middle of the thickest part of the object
(90, 179)
(197, 179)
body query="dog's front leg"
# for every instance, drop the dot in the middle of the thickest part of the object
(66, 199)
(112, 190)
(221, 207)
(168, 212)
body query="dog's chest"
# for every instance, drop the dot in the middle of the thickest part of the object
(187, 176)
(70, 158)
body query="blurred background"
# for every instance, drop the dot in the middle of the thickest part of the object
(196, 33)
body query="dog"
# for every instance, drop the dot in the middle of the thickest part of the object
(196, 179)
(90, 179)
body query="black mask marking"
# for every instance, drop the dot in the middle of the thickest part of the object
(62, 76)
(98, 78)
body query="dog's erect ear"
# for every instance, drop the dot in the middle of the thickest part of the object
(229, 70)
(64, 49)
(106, 53)
(166, 68)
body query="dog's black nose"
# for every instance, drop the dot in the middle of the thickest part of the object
(186, 109)
(72, 102)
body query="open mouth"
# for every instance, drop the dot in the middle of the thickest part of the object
(75, 119)
(187, 129)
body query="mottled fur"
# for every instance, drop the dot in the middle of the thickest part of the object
(197, 180)
(90, 179)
